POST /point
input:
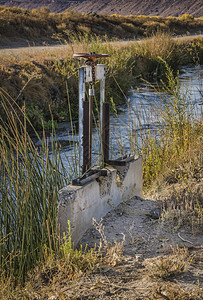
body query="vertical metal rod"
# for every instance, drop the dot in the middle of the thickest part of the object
(91, 96)
(86, 137)
(105, 132)
(102, 100)
(81, 99)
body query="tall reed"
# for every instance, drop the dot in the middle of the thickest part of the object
(29, 182)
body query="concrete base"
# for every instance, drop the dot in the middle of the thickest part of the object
(80, 204)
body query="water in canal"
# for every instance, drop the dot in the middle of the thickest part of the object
(140, 113)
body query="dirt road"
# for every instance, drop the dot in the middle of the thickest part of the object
(52, 49)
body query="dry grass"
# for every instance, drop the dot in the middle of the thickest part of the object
(172, 291)
(168, 266)
(61, 266)
(180, 189)
(184, 207)
(60, 270)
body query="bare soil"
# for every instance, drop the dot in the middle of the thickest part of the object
(143, 235)
(127, 275)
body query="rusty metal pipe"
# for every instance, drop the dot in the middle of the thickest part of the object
(81, 99)
(91, 96)
(105, 132)
(86, 138)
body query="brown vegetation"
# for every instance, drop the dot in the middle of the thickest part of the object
(47, 81)
(27, 26)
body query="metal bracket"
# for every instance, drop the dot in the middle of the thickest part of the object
(100, 73)
(122, 161)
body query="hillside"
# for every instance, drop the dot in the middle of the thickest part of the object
(20, 27)
(162, 8)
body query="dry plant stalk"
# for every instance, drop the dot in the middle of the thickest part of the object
(113, 253)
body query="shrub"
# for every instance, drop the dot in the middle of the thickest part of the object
(186, 17)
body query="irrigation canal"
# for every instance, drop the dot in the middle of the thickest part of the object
(131, 121)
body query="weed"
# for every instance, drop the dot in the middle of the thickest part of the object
(78, 260)
(179, 130)
(100, 228)
(62, 264)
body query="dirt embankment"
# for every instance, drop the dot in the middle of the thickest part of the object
(147, 258)
(125, 7)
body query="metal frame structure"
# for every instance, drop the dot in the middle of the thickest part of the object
(90, 73)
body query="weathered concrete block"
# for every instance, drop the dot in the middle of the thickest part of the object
(80, 204)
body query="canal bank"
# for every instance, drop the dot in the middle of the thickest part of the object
(47, 83)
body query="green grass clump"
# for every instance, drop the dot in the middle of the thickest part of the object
(64, 263)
